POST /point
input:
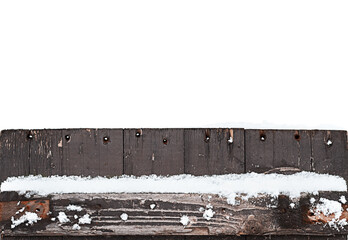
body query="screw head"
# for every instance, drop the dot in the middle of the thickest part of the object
(106, 139)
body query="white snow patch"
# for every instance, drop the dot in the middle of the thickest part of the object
(201, 209)
(343, 199)
(184, 220)
(28, 217)
(74, 208)
(53, 219)
(227, 186)
(331, 208)
(20, 210)
(209, 205)
(208, 214)
(152, 206)
(329, 142)
(62, 217)
(85, 219)
(312, 200)
(76, 227)
(292, 205)
(76, 217)
(230, 140)
(124, 216)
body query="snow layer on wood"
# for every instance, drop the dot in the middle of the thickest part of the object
(228, 185)
(28, 217)
(124, 216)
(62, 217)
(184, 220)
(331, 208)
(74, 208)
(85, 219)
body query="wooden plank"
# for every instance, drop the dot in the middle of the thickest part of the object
(14, 153)
(269, 149)
(295, 237)
(110, 142)
(329, 152)
(214, 151)
(87, 153)
(153, 151)
(250, 217)
(45, 155)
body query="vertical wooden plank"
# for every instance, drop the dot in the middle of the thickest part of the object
(329, 152)
(153, 151)
(214, 151)
(45, 156)
(269, 149)
(110, 142)
(87, 153)
(14, 153)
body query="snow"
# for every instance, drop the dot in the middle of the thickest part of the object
(343, 199)
(124, 216)
(328, 207)
(329, 142)
(331, 208)
(292, 205)
(28, 217)
(184, 220)
(85, 219)
(229, 186)
(208, 214)
(62, 217)
(152, 206)
(20, 210)
(74, 208)
(76, 227)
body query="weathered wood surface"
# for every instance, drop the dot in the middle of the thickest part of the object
(214, 151)
(153, 151)
(257, 216)
(113, 152)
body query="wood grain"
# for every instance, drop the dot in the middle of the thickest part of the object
(256, 216)
(153, 151)
(214, 151)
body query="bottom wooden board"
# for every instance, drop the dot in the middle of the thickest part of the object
(164, 214)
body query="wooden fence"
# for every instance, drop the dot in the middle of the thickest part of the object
(200, 151)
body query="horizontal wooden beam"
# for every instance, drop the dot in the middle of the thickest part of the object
(170, 214)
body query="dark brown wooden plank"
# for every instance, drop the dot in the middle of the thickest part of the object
(153, 151)
(214, 151)
(45, 155)
(269, 149)
(329, 152)
(14, 153)
(110, 143)
(87, 153)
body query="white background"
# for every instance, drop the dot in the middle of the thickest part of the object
(177, 63)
